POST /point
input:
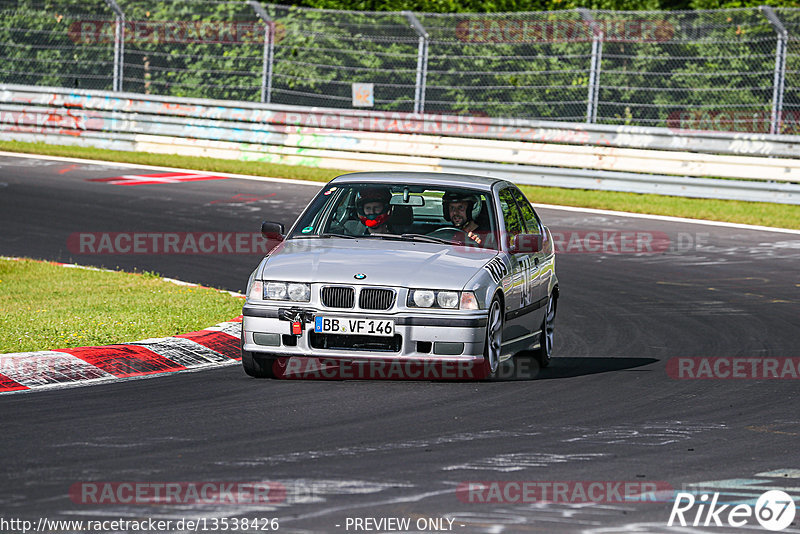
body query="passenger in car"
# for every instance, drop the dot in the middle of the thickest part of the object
(458, 209)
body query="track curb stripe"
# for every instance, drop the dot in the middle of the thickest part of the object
(6, 384)
(184, 352)
(216, 346)
(218, 342)
(123, 361)
(45, 368)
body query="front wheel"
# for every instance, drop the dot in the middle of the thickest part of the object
(261, 367)
(545, 351)
(494, 340)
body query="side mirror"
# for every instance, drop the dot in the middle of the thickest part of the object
(272, 230)
(525, 243)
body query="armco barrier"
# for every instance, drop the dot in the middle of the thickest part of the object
(758, 167)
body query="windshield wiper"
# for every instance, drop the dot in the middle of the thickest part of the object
(319, 236)
(429, 239)
(412, 237)
(345, 236)
(393, 237)
(396, 237)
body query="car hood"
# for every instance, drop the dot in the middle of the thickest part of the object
(384, 262)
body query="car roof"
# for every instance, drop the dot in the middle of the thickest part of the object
(420, 178)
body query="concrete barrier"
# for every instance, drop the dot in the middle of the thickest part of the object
(572, 155)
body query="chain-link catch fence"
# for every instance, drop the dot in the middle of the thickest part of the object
(730, 70)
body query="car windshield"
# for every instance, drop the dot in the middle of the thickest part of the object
(437, 214)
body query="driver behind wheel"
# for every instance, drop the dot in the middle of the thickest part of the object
(458, 209)
(374, 209)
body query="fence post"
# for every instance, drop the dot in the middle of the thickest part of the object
(422, 62)
(119, 45)
(776, 116)
(594, 69)
(269, 52)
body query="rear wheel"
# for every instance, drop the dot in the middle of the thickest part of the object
(494, 339)
(545, 351)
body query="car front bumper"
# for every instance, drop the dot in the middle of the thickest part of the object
(423, 337)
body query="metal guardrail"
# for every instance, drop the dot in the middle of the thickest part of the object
(572, 155)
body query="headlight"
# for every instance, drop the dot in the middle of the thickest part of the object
(276, 291)
(293, 291)
(450, 300)
(424, 299)
(447, 299)
(300, 292)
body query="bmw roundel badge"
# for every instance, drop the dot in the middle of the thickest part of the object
(360, 276)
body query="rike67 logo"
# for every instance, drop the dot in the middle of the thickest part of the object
(774, 510)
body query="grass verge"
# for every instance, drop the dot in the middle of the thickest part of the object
(45, 306)
(758, 213)
(736, 211)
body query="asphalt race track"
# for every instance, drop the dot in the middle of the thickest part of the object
(607, 410)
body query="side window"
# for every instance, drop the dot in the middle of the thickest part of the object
(511, 215)
(342, 211)
(528, 215)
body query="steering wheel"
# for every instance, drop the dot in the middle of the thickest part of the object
(450, 233)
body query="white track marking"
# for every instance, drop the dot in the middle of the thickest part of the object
(184, 351)
(506, 463)
(158, 168)
(668, 218)
(321, 184)
(42, 368)
(309, 455)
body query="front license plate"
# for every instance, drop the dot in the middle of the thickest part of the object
(349, 325)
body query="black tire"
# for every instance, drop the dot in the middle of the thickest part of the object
(544, 354)
(258, 367)
(494, 340)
